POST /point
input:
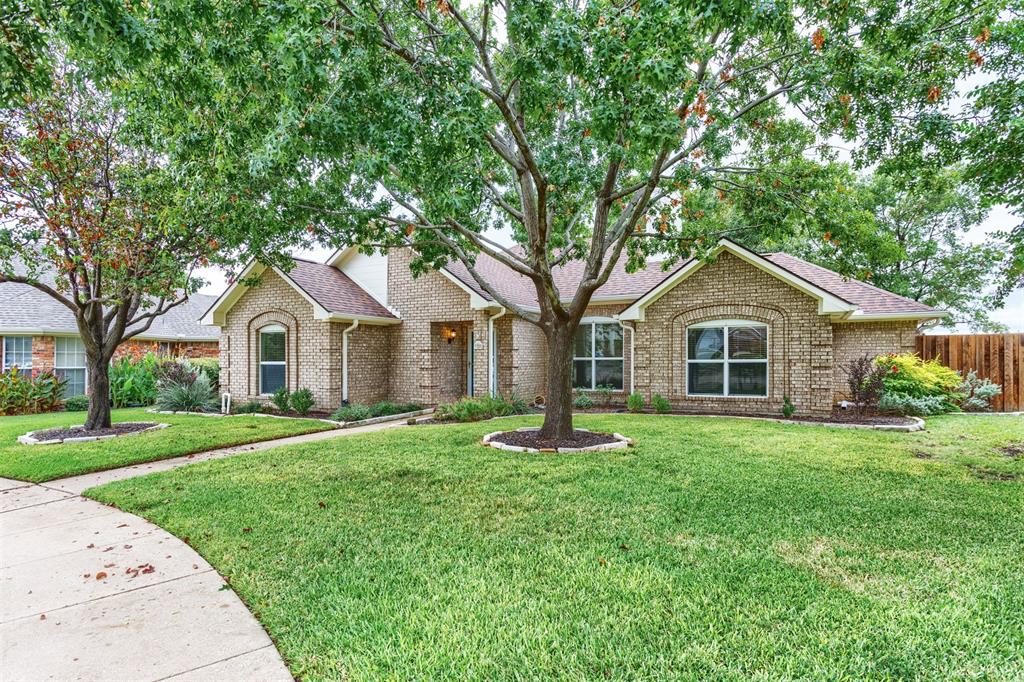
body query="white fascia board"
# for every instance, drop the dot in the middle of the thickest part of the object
(828, 304)
(476, 301)
(368, 319)
(860, 316)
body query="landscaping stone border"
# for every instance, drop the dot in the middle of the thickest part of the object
(620, 442)
(917, 425)
(337, 424)
(29, 438)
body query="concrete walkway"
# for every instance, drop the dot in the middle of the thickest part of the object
(88, 592)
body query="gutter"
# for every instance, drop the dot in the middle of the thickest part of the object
(632, 355)
(344, 360)
(492, 369)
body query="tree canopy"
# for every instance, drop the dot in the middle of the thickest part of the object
(911, 237)
(586, 130)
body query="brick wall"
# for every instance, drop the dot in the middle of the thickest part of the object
(422, 301)
(799, 340)
(369, 363)
(176, 349)
(852, 340)
(311, 350)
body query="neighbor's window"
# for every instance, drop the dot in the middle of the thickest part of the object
(597, 356)
(70, 364)
(727, 358)
(272, 363)
(17, 352)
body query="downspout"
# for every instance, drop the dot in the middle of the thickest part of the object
(632, 355)
(492, 370)
(344, 360)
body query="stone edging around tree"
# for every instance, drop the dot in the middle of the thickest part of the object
(620, 442)
(29, 439)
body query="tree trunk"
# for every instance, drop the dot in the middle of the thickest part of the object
(558, 408)
(99, 393)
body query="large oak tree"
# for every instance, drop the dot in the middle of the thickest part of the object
(590, 131)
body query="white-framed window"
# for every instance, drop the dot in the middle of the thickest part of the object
(69, 362)
(727, 358)
(17, 352)
(273, 368)
(597, 355)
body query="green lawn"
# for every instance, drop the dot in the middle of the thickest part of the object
(187, 434)
(717, 548)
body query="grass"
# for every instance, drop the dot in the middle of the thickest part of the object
(715, 549)
(188, 434)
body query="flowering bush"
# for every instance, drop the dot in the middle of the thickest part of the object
(908, 374)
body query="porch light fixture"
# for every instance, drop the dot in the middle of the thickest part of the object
(450, 334)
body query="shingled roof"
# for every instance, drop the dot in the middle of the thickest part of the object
(625, 286)
(334, 290)
(26, 310)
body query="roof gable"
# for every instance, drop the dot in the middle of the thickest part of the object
(828, 302)
(331, 292)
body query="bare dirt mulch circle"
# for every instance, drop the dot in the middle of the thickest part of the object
(533, 439)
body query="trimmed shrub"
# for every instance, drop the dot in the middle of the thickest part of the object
(210, 367)
(302, 401)
(251, 407)
(788, 408)
(133, 381)
(582, 401)
(197, 396)
(477, 409)
(281, 399)
(978, 393)
(76, 403)
(660, 404)
(352, 413)
(635, 402)
(388, 408)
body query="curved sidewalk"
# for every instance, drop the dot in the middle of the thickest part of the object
(88, 592)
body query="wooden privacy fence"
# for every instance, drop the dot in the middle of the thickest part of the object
(999, 357)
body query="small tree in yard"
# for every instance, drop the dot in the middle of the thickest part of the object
(85, 220)
(588, 131)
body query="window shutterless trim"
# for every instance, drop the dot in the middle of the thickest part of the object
(260, 362)
(725, 326)
(592, 323)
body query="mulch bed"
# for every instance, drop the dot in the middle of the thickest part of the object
(533, 439)
(80, 432)
(838, 416)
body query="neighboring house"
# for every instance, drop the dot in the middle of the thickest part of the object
(736, 334)
(38, 333)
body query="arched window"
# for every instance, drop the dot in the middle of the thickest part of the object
(273, 368)
(727, 358)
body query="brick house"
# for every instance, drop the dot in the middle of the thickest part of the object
(39, 334)
(735, 334)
